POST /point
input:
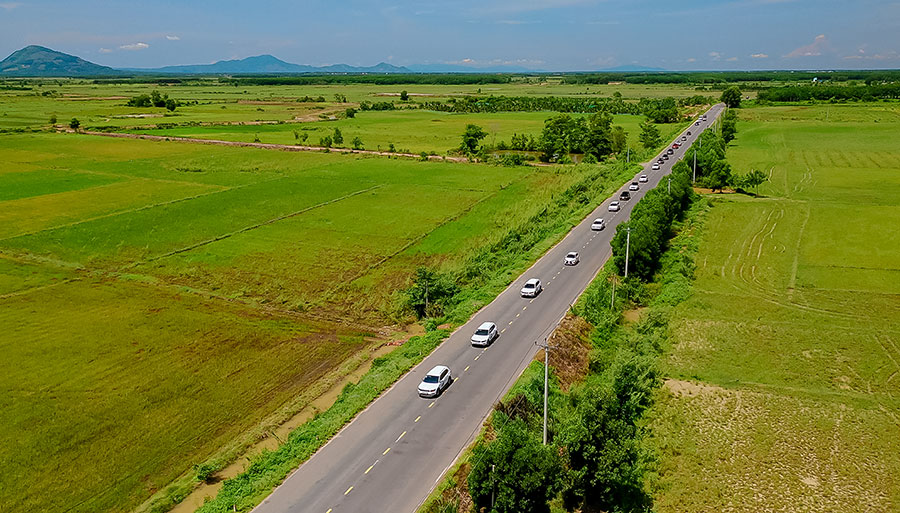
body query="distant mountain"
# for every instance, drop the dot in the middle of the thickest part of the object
(631, 68)
(459, 68)
(37, 61)
(263, 64)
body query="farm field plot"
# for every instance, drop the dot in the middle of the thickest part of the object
(408, 130)
(786, 359)
(160, 299)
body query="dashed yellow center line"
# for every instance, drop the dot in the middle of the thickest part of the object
(501, 331)
(371, 467)
(510, 324)
(399, 437)
(385, 452)
(532, 301)
(417, 418)
(485, 349)
(554, 277)
(518, 314)
(479, 356)
(467, 368)
(329, 510)
(432, 404)
(524, 308)
(348, 490)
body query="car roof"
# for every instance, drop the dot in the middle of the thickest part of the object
(598, 219)
(437, 370)
(533, 280)
(572, 253)
(486, 325)
(613, 202)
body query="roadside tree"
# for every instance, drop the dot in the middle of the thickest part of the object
(731, 97)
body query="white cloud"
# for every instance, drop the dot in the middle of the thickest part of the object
(135, 46)
(105, 50)
(759, 56)
(814, 49)
(8, 6)
(732, 59)
(692, 59)
(715, 55)
(173, 38)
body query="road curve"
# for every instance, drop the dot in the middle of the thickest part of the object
(394, 453)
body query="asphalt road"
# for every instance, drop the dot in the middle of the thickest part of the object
(393, 454)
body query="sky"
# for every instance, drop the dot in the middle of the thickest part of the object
(550, 35)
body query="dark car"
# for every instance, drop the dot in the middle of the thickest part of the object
(670, 151)
(625, 196)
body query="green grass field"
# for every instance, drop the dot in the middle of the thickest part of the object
(164, 298)
(786, 359)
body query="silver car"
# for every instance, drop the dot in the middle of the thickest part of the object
(614, 206)
(598, 224)
(572, 258)
(532, 288)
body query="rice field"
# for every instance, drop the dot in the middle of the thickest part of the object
(785, 390)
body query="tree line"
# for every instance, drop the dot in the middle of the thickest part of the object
(830, 92)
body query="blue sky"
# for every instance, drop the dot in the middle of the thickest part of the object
(557, 35)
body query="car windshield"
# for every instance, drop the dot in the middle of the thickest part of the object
(530, 285)
(572, 255)
(431, 379)
(482, 332)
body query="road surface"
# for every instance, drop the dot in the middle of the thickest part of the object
(394, 453)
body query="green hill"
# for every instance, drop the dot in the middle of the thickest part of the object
(38, 61)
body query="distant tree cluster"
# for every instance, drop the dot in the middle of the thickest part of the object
(593, 135)
(366, 106)
(154, 99)
(731, 97)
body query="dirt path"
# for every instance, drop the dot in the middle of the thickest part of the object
(265, 146)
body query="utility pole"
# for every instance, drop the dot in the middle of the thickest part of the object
(670, 185)
(628, 155)
(546, 347)
(493, 485)
(695, 166)
(627, 248)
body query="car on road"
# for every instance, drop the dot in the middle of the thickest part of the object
(634, 187)
(696, 123)
(435, 381)
(684, 138)
(689, 132)
(485, 334)
(666, 156)
(643, 179)
(572, 258)
(670, 151)
(531, 288)
(704, 117)
(598, 224)
(624, 196)
(655, 166)
(675, 146)
(614, 206)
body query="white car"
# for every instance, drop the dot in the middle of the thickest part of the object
(655, 166)
(572, 258)
(532, 288)
(598, 224)
(435, 381)
(485, 334)
(634, 187)
(643, 179)
(614, 206)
